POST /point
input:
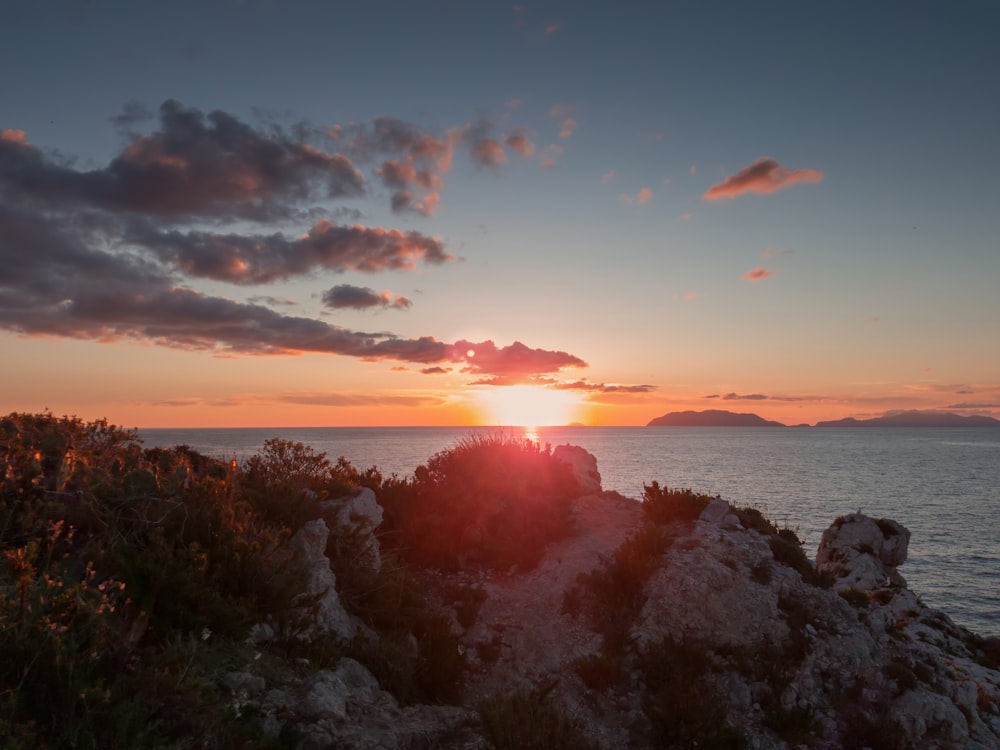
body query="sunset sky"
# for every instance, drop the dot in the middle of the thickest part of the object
(282, 213)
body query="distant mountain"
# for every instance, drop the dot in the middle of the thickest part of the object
(915, 419)
(711, 418)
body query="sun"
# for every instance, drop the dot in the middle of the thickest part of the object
(528, 406)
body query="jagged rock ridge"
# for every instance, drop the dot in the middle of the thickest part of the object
(726, 635)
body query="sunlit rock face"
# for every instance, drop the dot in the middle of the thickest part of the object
(862, 553)
(360, 513)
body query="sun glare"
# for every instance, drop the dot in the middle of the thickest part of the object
(528, 406)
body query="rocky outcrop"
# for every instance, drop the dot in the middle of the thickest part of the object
(862, 553)
(714, 630)
(302, 561)
(583, 466)
(359, 514)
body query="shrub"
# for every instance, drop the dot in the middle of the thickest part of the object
(678, 703)
(664, 505)
(612, 595)
(491, 501)
(528, 721)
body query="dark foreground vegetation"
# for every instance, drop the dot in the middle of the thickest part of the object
(130, 577)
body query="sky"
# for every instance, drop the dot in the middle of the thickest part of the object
(307, 213)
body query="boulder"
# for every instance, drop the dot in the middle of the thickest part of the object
(304, 556)
(862, 553)
(361, 513)
(583, 466)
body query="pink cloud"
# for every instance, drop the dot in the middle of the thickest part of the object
(520, 144)
(489, 153)
(607, 177)
(686, 216)
(552, 28)
(693, 170)
(567, 127)
(558, 111)
(757, 274)
(763, 176)
(691, 295)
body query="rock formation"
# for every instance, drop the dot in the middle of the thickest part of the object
(712, 631)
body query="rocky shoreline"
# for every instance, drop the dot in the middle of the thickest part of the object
(705, 631)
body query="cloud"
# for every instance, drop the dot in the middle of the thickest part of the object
(757, 274)
(108, 254)
(552, 28)
(520, 144)
(550, 155)
(763, 176)
(770, 252)
(642, 197)
(488, 153)
(567, 128)
(513, 361)
(559, 111)
(362, 298)
(582, 385)
(608, 176)
(193, 166)
(691, 295)
(435, 370)
(258, 259)
(760, 397)
(686, 216)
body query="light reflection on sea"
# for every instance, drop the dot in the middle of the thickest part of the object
(942, 484)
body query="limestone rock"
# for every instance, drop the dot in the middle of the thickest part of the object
(361, 514)
(863, 553)
(305, 553)
(583, 465)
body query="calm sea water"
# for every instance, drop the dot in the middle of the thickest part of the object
(942, 484)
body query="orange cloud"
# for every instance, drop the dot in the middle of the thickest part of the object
(763, 176)
(757, 274)
(13, 136)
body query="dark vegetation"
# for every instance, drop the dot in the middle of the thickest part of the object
(491, 502)
(129, 579)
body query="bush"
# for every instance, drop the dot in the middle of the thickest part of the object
(682, 710)
(664, 505)
(529, 721)
(491, 501)
(612, 595)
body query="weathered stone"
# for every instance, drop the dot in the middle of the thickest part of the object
(862, 553)
(361, 514)
(583, 465)
(305, 551)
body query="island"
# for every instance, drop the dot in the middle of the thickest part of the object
(915, 418)
(711, 418)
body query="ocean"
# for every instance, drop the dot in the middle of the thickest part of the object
(942, 484)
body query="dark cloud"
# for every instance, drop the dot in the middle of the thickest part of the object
(582, 385)
(105, 254)
(763, 176)
(362, 298)
(435, 370)
(194, 165)
(258, 259)
(520, 144)
(515, 360)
